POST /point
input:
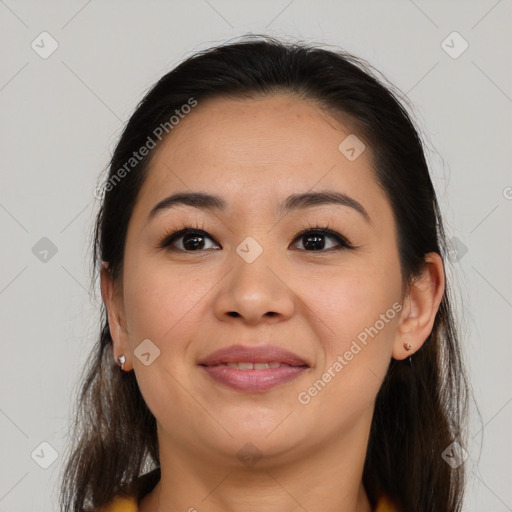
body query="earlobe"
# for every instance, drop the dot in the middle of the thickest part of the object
(421, 305)
(115, 312)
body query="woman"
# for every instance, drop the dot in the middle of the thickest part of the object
(271, 251)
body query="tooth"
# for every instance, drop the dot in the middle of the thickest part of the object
(245, 366)
(274, 364)
(232, 365)
(260, 366)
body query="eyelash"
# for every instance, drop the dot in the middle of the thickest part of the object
(177, 233)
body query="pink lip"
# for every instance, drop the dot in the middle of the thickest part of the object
(253, 380)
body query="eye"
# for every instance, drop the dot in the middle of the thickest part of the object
(317, 239)
(189, 240)
(196, 240)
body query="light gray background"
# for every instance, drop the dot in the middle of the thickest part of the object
(62, 115)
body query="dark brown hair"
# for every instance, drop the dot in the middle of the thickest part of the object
(421, 407)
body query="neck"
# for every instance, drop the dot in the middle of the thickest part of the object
(326, 478)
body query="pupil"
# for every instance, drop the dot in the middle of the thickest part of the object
(192, 242)
(318, 242)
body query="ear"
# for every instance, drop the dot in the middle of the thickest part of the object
(113, 299)
(420, 307)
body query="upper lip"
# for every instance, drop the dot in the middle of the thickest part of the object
(254, 354)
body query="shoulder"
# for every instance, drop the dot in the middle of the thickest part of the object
(147, 482)
(144, 484)
(120, 504)
(385, 504)
(124, 504)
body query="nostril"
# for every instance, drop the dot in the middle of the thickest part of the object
(236, 314)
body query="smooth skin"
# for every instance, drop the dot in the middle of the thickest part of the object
(254, 153)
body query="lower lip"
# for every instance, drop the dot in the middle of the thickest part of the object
(254, 380)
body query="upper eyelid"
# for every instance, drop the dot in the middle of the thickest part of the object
(177, 234)
(328, 232)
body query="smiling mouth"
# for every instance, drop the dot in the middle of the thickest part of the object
(248, 365)
(253, 369)
(253, 377)
(245, 355)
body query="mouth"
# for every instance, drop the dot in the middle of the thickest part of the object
(253, 369)
(248, 365)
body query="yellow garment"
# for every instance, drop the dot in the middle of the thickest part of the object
(122, 504)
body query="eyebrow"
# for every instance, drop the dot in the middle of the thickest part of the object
(293, 202)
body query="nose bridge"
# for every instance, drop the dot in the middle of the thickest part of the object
(254, 289)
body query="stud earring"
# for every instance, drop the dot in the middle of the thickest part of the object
(121, 360)
(407, 346)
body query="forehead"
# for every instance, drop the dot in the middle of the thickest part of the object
(270, 127)
(273, 145)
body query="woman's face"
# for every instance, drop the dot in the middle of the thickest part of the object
(252, 281)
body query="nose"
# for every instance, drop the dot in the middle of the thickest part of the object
(256, 292)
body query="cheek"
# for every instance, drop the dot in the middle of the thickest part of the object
(349, 299)
(357, 308)
(361, 307)
(358, 323)
(160, 301)
(161, 305)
